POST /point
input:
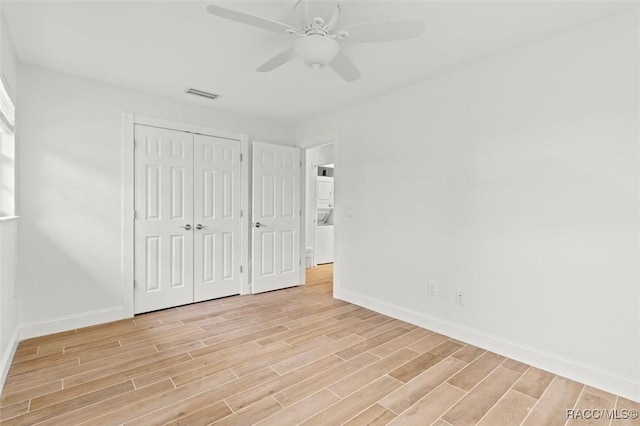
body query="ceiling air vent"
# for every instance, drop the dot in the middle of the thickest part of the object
(203, 94)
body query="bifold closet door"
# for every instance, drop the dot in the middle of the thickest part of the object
(163, 190)
(217, 220)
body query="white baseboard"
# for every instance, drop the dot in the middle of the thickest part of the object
(574, 370)
(71, 322)
(7, 357)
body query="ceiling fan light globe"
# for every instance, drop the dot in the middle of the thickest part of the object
(316, 50)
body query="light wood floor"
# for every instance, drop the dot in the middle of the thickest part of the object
(286, 357)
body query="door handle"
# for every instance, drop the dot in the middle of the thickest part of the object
(187, 227)
(199, 227)
(258, 225)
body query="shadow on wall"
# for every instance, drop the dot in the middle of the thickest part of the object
(70, 230)
(8, 308)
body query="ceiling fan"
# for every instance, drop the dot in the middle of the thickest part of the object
(319, 34)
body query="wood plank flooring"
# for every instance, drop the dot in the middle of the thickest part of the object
(294, 356)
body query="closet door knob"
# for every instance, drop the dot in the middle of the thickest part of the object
(187, 227)
(258, 225)
(199, 227)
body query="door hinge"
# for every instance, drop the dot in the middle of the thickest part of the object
(135, 214)
(241, 157)
(300, 163)
(135, 284)
(240, 268)
(241, 213)
(135, 144)
(300, 213)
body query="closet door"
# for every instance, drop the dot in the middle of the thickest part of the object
(164, 216)
(216, 217)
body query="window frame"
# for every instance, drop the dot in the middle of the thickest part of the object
(7, 108)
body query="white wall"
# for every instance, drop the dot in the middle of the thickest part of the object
(70, 191)
(516, 181)
(8, 302)
(8, 228)
(317, 131)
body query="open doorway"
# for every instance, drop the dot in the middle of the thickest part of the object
(319, 223)
(323, 241)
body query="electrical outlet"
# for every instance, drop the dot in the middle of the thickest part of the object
(432, 288)
(459, 297)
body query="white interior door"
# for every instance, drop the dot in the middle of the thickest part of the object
(163, 269)
(276, 217)
(217, 220)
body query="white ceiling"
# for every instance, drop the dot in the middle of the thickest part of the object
(164, 47)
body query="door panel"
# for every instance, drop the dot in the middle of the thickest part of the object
(163, 204)
(276, 208)
(217, 250)
(324, 190)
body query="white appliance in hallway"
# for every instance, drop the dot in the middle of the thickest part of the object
(324, 215)
(187, 218)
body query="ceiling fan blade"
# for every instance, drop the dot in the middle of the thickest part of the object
(335, 15)
(307, 10)
(384, 31)
(323, 9)
(245, 18)
(278, 60)
(345, 67)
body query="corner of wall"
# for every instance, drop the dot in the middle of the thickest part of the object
(627, 387)
(7, 357)
(72, 322)
(318, 130)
